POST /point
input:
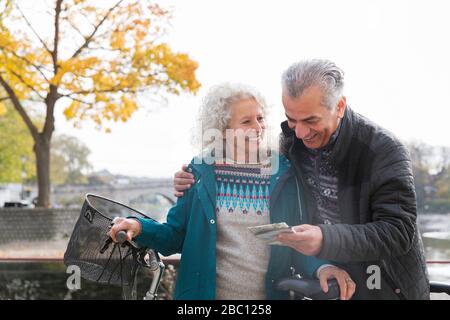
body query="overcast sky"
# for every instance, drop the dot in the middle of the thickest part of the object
(395, 55)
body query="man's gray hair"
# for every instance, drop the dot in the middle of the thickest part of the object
(317, 72)
(215, 111)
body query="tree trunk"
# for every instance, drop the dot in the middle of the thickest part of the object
(42, 152)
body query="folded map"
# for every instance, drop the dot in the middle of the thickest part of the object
(269, 232)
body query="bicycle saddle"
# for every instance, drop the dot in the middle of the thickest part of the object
(309, 288)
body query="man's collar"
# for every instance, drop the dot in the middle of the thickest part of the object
(287, 132)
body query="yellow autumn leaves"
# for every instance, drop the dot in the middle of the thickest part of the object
(75, 67)
(106, 63)
(20, 65)
(2, 109)
(105, 110)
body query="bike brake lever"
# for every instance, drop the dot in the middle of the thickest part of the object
(106, 245)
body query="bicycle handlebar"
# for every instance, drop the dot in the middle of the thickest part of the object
(150, 260)
(121, 236)
(309, 288)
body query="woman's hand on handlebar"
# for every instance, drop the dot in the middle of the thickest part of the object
(346, 285)
(131, 226)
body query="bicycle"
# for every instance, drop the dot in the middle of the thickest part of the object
(101, 260)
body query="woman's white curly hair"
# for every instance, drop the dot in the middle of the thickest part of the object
(215, 111)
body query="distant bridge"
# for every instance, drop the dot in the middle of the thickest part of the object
(122, 192)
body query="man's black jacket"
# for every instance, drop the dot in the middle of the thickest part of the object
(377, 203)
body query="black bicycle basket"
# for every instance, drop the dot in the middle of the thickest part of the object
(92, 250)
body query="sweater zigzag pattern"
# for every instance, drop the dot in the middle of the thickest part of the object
(242, 189)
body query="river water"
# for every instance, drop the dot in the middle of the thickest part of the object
(435, 230)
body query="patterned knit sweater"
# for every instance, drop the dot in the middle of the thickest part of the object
(322, 177)
(242, 201)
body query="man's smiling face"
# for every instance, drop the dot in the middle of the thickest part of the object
(312, 122)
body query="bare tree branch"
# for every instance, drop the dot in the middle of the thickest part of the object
(443, 161)
(117, 89)
(85, 37)
(38, 68)
(18, 76)
(104, 49)
(91, 36)
(81, 101)
(56, 36)
(35, 100)
(18, 106)
(53, 96)
(4, 98)
(32, 29)
(75, 28)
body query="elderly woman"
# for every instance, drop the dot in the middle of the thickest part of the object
(236, 186)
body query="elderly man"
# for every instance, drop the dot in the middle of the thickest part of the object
(358, 184)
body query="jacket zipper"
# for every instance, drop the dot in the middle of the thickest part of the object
(299, 200)
(316, 172)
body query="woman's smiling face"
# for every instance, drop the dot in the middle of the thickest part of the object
(247, 124)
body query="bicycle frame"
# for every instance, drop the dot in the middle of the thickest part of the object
(156, 266)
(148, 259)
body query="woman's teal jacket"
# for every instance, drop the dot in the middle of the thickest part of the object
(191, 230)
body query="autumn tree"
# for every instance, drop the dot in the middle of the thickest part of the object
(69, 160)
(16, 148)
(98, 60)
(431, 167)
(422, 163)
(69, 156)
